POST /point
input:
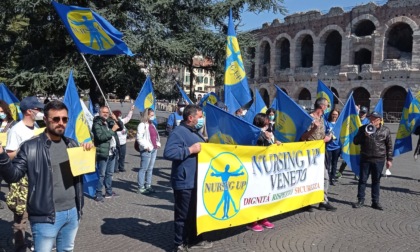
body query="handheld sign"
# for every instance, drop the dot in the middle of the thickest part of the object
(81, 162)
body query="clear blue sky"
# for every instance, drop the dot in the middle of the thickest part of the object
(252, 21)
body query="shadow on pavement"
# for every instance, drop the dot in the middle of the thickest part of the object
(157, 234)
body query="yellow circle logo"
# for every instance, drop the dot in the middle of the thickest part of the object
(286, 127)
(350, 128)
(224, 185)
(88, 31)
(235, 71)
(221, 138)
(149, 101)
(82, 129)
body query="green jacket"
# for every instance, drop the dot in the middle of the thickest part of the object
(102, 134)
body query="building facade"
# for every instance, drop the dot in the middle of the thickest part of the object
(203, 79)
(372, 51)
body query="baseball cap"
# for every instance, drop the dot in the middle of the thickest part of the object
(375, 114)
(363, 109)
(30, 102)
(182, 103)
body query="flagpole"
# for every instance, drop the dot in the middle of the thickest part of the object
(93, 75)
(334, 93)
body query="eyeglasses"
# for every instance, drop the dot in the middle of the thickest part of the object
(57, 119)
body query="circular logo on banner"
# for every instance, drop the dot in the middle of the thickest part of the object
(88, 31)
(149, 101)
(286, 126)
(224, 185)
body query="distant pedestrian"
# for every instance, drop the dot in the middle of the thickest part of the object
(149, 142)
(175, 118)
(122, 137)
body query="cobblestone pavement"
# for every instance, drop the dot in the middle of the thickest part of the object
(135, 222)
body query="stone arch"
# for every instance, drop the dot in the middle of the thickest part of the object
(304, 95)
(265, 96)
(350, 27)
(399, 41)
(330, 44)
(394, 98)
(362, 57)
(300, 36)
(265, 57)
(361, 97)
(282, 46)
(364, 28)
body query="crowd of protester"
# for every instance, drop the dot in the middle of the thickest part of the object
(185, 130)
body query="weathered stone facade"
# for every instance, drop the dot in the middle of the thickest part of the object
(372, 51)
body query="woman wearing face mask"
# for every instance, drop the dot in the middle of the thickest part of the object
(333, 146)
(265, 139)
(6, 122)
(149, 142)
(122, 137)
(271, 113)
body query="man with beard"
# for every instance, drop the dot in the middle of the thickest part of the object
(55, 197)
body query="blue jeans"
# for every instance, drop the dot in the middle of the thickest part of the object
(375, 169)
(333, 159)
(106, 170)
(121, 157)
(62, 232)
(146, 167)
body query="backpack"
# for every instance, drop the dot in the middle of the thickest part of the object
(17, 196)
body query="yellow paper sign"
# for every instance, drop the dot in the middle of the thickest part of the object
(81, 162)
(3, 139)
(38, 131)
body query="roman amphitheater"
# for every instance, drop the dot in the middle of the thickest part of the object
(372, 50)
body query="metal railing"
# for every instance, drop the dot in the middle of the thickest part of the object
(392, 117)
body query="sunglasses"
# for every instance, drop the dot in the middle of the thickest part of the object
(57, 119)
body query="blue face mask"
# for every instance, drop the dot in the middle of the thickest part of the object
(2, 116)
(200, 123)
(271, 118)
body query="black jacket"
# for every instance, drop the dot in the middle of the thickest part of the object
(375, 147)
(33, 159)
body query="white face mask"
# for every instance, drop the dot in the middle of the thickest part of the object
(39, 116)
(152, 118)
(244, 112)
(264, 129)
(181, 109)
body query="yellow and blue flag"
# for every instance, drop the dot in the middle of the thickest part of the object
(410, 120)
(291, 120)
(12, 101)
(379, 108)
(77, 126)
(211, 98)
(225, 128)
(323, 91)
(346, 128)
(91, 33)
(146, 97)
(258, 106)
(236, 84)
(78, 129)
(184, 95)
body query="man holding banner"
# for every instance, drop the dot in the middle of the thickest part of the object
(181, 148)
(56, 197)
(317, 131)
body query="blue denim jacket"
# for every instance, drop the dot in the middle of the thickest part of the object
(184, 164)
